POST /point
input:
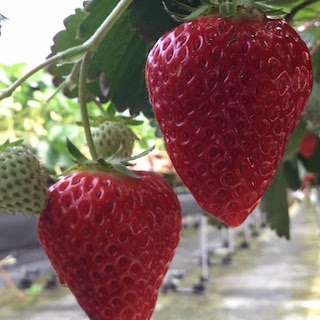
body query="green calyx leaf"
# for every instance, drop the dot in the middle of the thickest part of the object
(76, 154)
(227, 8)
(7, 144)
(109, 164)
(182, 11)
(275, 204)
(188, 12)
(110, 114)
(119, 167)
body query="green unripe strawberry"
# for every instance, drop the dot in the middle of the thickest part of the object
(112, 137)
(22, 181)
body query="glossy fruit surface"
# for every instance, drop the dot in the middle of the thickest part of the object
(227, 94)
(111, 239)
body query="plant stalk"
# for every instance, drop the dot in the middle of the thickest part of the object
(93, 42)
(5, 93)
(82, 89)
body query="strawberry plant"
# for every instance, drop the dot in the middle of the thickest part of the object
(144, 25)
(232, 85)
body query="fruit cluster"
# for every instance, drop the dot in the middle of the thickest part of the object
(227, 93)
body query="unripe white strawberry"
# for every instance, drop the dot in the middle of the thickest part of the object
(22, 181)
(113, 137)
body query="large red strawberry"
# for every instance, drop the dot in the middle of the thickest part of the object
(227, 94)
(111, 237)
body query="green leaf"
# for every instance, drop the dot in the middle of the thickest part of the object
(118, 66)
(275, 204)
(150, 19)
(111, 110)
(302, 11)
(296, 12)
(124, 170)
(66, 39)
(227, 9)
(75, 152)
(116, 70)
(8, 143)
(142, 154)
(291, 172)
(293, 143)
(312, 111)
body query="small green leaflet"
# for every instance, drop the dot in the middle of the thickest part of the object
(8, 143)
(275, 204)
(293, 143)
(150, 19)
(292, 174)
(75, 152)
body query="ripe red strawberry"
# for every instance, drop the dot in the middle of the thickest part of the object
(111, 237)
(227, 94)
(308, 144)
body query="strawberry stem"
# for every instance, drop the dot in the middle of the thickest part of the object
(93, 42)
(296, 9)
(227, 8)
(5, 93)
(83, 103)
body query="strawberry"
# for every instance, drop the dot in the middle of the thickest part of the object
(22, 181)
(308, 144)
(227, 94)
(307, 180)
(112, 137)
(111, 237)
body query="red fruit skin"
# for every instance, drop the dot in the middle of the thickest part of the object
(227, 94)
(111, 239)
(308, 144)
(307, 180)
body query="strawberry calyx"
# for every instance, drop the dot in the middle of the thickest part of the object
(8, 144)
(113, 163)
(240, 9)
(110, 114)
(111, 143)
